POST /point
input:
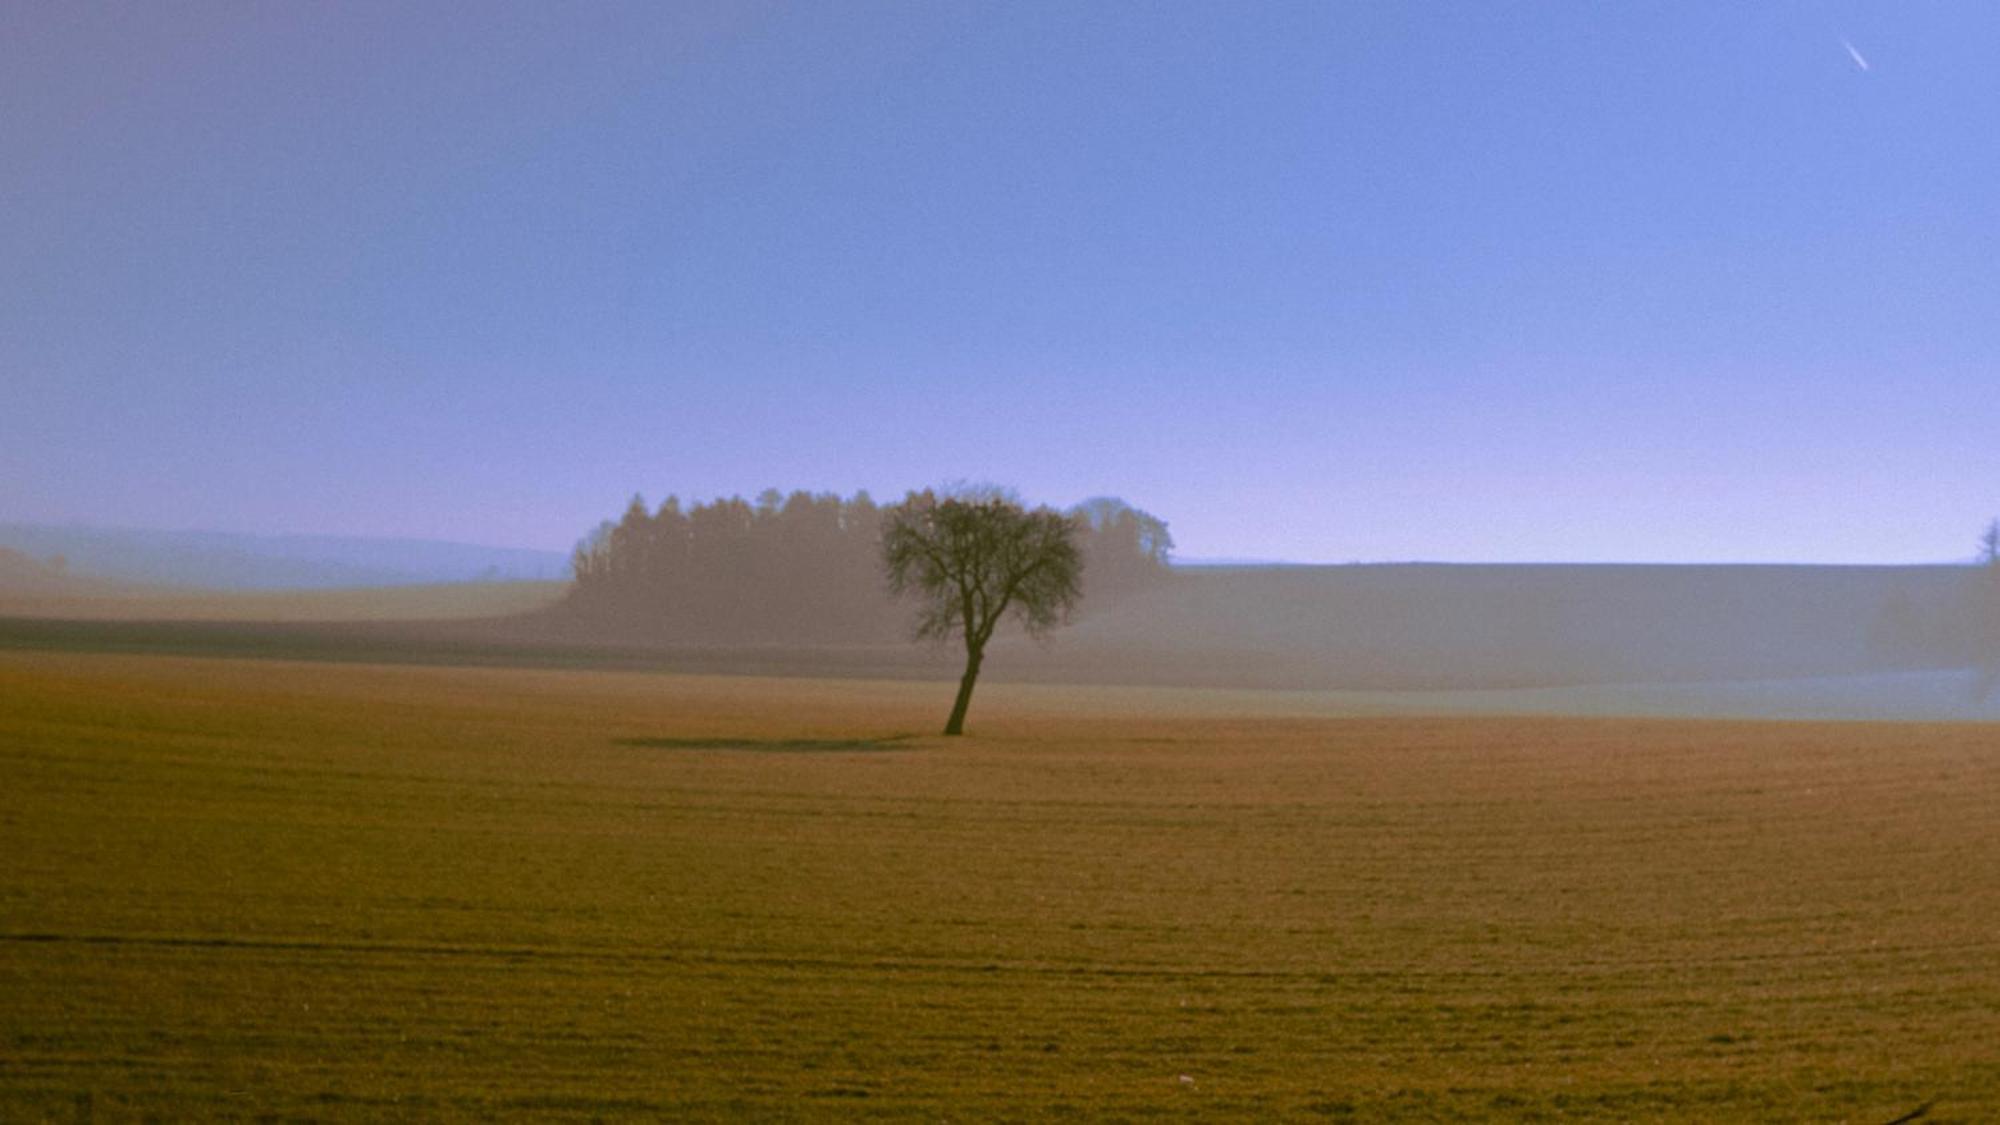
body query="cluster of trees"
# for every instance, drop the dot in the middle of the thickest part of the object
(1957, 627)
(804, 567)
(1985, 614)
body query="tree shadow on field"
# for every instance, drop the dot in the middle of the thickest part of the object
(775, 745)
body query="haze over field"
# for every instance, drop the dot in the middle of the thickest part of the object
(470, 894)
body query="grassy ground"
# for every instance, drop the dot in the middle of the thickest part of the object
(244, 889)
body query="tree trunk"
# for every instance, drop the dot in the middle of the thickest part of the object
(956, 724)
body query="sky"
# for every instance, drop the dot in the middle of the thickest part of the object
(1323, 282)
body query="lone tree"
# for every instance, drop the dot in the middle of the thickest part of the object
(973, 557)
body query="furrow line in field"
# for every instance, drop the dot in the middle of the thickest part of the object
(779, 960)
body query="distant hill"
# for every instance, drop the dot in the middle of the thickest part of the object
(23, 574)
(95, 600)
(1887, 641)
(1759, 641)
(226, 561)
(1433, 626)
(1427, 627)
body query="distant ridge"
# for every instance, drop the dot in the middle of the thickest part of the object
(1182, 562)
(230, 561)
(21, 573)
(1771, 641)
(1437, 626)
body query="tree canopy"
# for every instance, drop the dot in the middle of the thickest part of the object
(971, 560)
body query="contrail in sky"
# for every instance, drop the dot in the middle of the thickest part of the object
(1855, 55)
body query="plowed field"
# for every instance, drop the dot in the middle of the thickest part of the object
(242, 889)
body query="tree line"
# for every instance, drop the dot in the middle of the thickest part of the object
(1954, 629)
(800, 567)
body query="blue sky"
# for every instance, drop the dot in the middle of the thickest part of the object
(1324, 282)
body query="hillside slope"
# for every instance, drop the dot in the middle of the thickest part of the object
(1365, 629)
(1505, 626)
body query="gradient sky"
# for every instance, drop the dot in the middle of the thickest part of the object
(1325, 282)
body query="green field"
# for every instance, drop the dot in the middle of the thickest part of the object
(257, 889)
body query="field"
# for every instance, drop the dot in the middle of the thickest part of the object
(256, 889)
(85, 600)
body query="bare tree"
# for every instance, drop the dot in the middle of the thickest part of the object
(971, 558)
